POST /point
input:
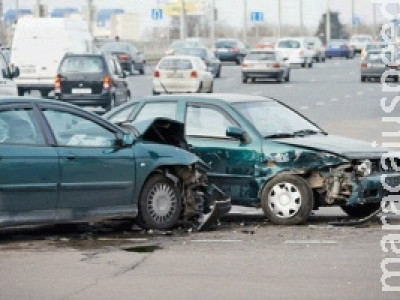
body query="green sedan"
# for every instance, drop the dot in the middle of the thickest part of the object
(60, 163)
(264, 154)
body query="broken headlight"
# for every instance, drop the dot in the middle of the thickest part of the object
(364, 167)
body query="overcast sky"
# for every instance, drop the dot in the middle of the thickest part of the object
(232, 11)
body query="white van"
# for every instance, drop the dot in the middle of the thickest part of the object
(8, 86)
(39, 45)
(298, 50)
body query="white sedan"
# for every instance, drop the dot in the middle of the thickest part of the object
(182, 74)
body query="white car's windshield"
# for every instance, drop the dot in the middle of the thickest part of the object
(273, 119)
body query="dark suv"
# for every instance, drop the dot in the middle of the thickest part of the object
(230, 50)
(91, 80)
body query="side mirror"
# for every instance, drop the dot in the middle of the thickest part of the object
(238, 133)
(123, 140)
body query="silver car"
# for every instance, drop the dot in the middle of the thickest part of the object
(261, 63)
(373, 66)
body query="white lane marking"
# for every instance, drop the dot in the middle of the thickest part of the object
(216, 241)
(303, 107)
(320, 103)
(310, 242)
(334, 99)
(288, 86)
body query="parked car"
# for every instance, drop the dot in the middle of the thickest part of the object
(373, 65)
(179, 44)
(260, 63)
(230, 50)
(91, 80)
(339, 48)
(372, 46)
(297, 50)
(182, 74)
(317, 49)
(358, 41)
(213, 64)
(130, 58)
(8, 87)
(60, 163)
(263, 153)
(266, 43)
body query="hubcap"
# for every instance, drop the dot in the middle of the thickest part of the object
(284, 200)
(161, 202)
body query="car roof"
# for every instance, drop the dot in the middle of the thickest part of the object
(224, 97)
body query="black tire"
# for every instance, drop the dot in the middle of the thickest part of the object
(396, 79)
(361, 211)
(317, 59)
(21, 91)
(303, 65)
(159, 190)
(244, 79)
(323, 59)
(279, 79)
(111, 105)
(253, 79)
(363, 78)
(239, 60)
(310, 64)
(44, 93)
(141, 70)
(293, 189)
(218, 75)
(287, 78)
(155, 93)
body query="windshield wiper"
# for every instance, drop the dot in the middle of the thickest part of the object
(279, 135)
(305, 132)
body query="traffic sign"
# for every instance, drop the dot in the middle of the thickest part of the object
(157, 14)
(356, 21)
(257, 16)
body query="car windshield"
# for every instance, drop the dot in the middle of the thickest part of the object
(274, 120)
(225, 44)
(261, 56)
(82, 64)
(377, 56)
(115, 47)
(199, 52)
(289, 44)
(173, 64)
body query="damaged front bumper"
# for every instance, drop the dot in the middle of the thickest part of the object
(373, 188)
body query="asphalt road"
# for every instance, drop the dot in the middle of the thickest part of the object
(246, 257)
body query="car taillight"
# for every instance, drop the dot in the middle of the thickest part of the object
(276, 65)
(57, 84)
(364, 65)
(233, 49)
(124, 57)
(394, 66)
(107, 82)
(156, 74)
(193, 74)
(245, 65)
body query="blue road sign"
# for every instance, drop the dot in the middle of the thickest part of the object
(356, 21)
(157, 14)
(257, 16)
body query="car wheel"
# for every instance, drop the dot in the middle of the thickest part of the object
(238, 60)
(218, 75)
(396, 79)
(244, 79)
(141, 70)
(279, 79)
(112, 103)
(363, 78)
(323, 59)
(303, 65)
(211, 88)
(287, 200)
(21, 92)
(361, 211)
(155, 93)
(160, 204)
(44, 93)
(310, 64)
(287, 78)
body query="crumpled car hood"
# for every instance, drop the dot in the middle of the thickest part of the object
(342, 146)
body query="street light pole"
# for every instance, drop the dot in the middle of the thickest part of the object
(213, 23)
(245, 21)
(374, 19)
(279, 18)
(182, 21)
(328, 23)
(352, 17)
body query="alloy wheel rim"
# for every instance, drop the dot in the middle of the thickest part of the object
(161, 203)
(284, 200)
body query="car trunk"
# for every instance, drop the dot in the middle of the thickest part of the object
(83, 83)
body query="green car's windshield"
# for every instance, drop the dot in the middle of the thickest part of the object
(274, 120)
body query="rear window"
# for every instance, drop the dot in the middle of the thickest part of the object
(202, 53)
(173, 64)
(289, 44)
(82, 64)
(225, 44)
(261, 56)
(377, 56)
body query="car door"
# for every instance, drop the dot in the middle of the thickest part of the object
(232, 162)
(97, 177)
(29, 168)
